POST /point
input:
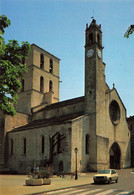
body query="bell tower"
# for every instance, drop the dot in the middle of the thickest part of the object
(95, 88)
(94, 68)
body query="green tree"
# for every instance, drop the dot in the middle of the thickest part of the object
(12, 69)
(129, 31)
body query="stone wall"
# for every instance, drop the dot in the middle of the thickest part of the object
(117, 130)
(130, 121)
(33, 93)
(13, 122)
(60, 109)
(22, 163)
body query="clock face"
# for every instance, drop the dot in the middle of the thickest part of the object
(90, 53)
(99, 53)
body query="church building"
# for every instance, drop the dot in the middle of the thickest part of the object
(91, 129)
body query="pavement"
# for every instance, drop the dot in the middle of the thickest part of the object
(15, 184)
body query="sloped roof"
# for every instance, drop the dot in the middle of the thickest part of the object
(130, 118)
(114, 89)
(48, 122)
(63, 103)
(44, 50)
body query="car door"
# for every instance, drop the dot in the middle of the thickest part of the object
(113, 175)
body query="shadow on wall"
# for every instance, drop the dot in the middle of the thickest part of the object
(89, 168)
(128, 156)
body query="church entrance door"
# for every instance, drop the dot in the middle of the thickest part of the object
(115, 155)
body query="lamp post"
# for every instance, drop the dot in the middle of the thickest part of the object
(76, 175)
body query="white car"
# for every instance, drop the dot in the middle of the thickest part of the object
(108, 175)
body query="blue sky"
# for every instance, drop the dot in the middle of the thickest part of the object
(58, 26)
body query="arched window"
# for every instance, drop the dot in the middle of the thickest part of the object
(87, 144)
(51, 66)
(50, 85)
(98, 38)
(114, 111)
(91, 38)
(11, 142)
(41, 61)
(42, 144)
(41, 84)
(58, 143)
(24, 146)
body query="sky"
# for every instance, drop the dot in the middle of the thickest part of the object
(58, 26)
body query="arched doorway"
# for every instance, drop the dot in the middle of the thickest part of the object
(114, 155)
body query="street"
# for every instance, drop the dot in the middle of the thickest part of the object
(15, 184)
(90, 190)
(124, 186)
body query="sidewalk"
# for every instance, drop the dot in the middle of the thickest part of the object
(15, 184)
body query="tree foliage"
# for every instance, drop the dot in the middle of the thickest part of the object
(12, 68)
(129, 31)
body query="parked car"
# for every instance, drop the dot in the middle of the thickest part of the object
(104, 176)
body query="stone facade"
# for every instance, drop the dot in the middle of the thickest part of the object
(6, 125)
(41, 82)
(95, 123)
(130, 121)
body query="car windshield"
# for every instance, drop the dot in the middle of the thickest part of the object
(104, 172)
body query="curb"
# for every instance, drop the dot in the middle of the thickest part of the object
(59, 189)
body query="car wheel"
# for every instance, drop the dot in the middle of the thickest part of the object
(116, 180)
(109, 181)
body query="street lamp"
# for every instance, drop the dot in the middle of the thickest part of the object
(76, 175)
